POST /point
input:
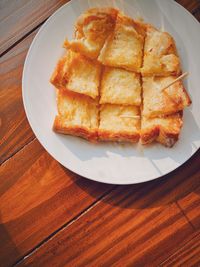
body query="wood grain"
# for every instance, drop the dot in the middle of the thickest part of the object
(37, 197)
(132, 226)
(186, 255)
(15, 131)
(17, 18)
(191, 6)
(54, 217)
(190, 205)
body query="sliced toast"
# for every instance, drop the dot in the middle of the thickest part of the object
(160, 55)
(158, 102)
(91, 30)
(119, 123)
(120, 86)
(164, 130)
(76, 73)
(77, 115)
(124, 47)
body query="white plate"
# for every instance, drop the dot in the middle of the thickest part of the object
(110, 162)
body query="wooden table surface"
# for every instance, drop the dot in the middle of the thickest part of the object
(50, 216)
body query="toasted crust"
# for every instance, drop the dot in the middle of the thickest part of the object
(60, 126)
(104, 135)
(120, 86)
(164, 130)
(124, 47)
(92, 29)
(57, 78)
(76, 73)
(113, 127)
(77, 115)
(158, 102)
(160, 55)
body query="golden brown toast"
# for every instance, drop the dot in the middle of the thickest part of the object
(120, 86)
(91, 30)
(77, 115)
(160, 55)
(124, 47)
(100, 90)
(76, 73)
(114, 127)
(164, 130)
(158, 102)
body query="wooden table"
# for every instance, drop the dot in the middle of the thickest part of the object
(50, 216)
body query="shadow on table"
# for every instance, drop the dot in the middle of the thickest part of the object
(161, 192)
(7, 245)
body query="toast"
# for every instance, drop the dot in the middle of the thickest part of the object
(77, 115)
(117, 81)
(76, 73)
(124, 47)
(158, 102)
(91, 31)
(114, 127)
(160, 55)
(164, 130)
(120, 86)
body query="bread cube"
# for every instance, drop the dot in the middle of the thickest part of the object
(158, 102)
(124, 47)
(77, 73)
(164, 130)
(120, 86)
(119, 123)
(160, 55)
(92, 29)
(77, 115)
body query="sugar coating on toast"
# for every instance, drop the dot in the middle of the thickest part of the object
(160, 55)
(158, 102)
(164, 130)
(120, 86)
(119, 123)
(77, 73)
(124, 47)
(77, 115)
(91, 30)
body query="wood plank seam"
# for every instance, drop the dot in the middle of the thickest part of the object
(76, 218)
(21, 39)
(65, 226)
(36, 12)
(17, 151)
(89, 207)
(186, 217)
(180, 248)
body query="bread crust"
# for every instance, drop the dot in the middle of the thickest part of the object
(114, 127)
(164, 134)
(74, 72)
(104, 135)
(91, 30)
(80, 131)
(160, 54)
(124, 47)
(158, 102)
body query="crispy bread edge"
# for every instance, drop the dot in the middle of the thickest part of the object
(120, 137)
(161, 134)
(80, 131)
